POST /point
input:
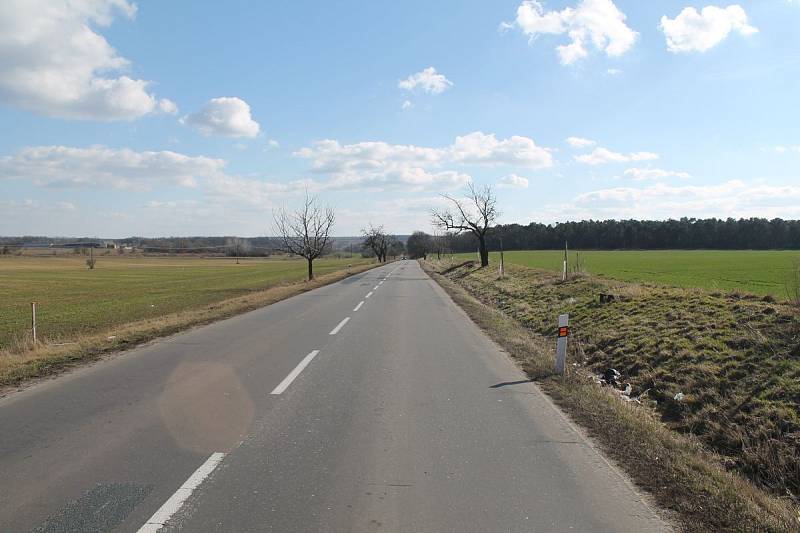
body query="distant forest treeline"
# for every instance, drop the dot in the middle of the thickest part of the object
(686, 233)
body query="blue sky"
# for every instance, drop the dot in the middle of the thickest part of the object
(187, 118)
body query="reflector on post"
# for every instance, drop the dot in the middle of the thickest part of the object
(561, 344)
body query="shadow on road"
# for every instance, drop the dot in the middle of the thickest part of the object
(508, 383)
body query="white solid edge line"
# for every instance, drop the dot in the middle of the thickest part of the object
(368, 294)
(175, 502)
(358, 306)
(335, 330)
(283, 385)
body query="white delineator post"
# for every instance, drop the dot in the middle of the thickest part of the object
(561, 345)
(502, 262)
(33, 321)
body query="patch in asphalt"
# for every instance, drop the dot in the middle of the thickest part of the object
(98, 511)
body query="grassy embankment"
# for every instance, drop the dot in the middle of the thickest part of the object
(753, 271)
(725, 457)
(83, 313)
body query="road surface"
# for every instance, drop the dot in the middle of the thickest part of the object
(372, 404)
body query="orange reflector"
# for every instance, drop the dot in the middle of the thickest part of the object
(563, 331)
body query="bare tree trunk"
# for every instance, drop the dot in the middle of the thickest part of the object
(484, 252)
(310, 269)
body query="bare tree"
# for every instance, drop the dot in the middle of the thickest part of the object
(419, 245)
(475, 214)
(377, 240)
(237, 247)
(306, 232)
(396, 247)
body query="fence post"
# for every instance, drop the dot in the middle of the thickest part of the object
(561, 344)
(502, 261)
(33, 321)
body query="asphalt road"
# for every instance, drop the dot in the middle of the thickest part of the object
(309, 415)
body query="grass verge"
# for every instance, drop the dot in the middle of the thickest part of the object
(24, 361)
(680, 472)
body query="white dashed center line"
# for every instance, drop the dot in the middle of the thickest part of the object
(358, 306)
(283, 385)
(368, 294)
(335, 330)
(174, 503)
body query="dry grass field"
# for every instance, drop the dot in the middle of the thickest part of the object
(73, 300)
(84, 313)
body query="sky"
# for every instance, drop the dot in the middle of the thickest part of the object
(178, 117)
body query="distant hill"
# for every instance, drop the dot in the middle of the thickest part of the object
(196, 244)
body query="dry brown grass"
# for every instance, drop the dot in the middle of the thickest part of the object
(22, 361)
(679, 472)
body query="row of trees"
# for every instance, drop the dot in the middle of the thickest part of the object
(686, 233)
(420, 245)
(381, 244)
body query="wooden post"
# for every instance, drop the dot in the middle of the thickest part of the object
(561, 344)
(33, 321)
(502, 261)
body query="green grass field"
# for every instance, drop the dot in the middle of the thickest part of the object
(72, 300)
(758, 272)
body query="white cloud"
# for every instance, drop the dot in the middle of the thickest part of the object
(660, 201)
(481, 148)
(579, 142)
(782, 149)
(693, 31)
(226, 189)
(227, 116)
(328, 156)
(168, 106)
(613, 72)
(102, 167)
(54, 63)
(512, 181)
(592, 22)
(427, 80)
(640, 174)
(272, 144)
(378, 164)
(601, 155)
(407, 104)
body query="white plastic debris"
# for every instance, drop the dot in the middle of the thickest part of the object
(679, 397)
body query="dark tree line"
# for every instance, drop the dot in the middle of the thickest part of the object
(686, 233)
